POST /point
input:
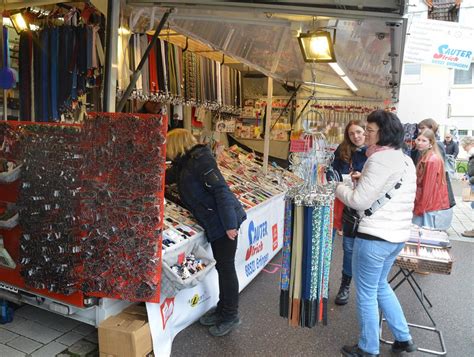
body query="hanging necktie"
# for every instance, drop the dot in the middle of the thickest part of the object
(146, 67)
(54, 51)
(152, 65)
(25, 74)
(44, 78)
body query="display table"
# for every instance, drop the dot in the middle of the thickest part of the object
(408, 265)
(260, 239)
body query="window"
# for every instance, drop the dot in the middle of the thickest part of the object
(463, 77)
(462, 132)
(412, 69)
(444, 10)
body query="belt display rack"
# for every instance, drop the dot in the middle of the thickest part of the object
(426, 258)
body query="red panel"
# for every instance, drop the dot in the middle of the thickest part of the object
(11, 239)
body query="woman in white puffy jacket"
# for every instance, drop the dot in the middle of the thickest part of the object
(382, 233)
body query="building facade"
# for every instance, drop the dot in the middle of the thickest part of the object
(430, 91)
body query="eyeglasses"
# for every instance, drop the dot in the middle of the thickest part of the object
(371, 131)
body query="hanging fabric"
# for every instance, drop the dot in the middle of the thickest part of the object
(304, 280)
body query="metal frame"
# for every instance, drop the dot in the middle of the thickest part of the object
(410, 279)
(342, 9)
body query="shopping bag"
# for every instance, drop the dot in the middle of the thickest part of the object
(468, 194)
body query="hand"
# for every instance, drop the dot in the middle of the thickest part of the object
(355, 176)
(232, 233)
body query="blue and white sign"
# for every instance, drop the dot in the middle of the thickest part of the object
(440, 43)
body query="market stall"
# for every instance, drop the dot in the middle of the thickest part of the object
(201, 64)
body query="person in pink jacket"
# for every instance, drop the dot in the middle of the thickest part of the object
(431, 198)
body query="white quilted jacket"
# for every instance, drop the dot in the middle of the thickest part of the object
(381, 172)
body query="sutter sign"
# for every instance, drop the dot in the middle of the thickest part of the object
(440, 43)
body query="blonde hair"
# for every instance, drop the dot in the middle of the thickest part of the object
(178, 141)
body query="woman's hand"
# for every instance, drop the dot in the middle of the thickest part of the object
(232, 233)
(355, 176)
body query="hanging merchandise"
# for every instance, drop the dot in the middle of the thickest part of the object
(176, 76)
(8, 76)
(307, 240)
(336, 114)
(121, 205)
(58, 66)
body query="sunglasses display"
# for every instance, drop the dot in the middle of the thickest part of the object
(121, 204)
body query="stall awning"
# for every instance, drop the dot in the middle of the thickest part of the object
(263, 35)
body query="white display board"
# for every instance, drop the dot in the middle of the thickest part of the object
(260, 239)
(441, 43)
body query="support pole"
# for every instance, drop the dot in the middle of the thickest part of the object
(138, 70)
(268, 124)
(111, 68)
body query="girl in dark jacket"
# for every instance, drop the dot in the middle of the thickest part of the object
(204, 192)
(349, 159)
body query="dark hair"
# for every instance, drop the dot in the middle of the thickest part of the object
(347, 148)
(390, 128)
(430, 124)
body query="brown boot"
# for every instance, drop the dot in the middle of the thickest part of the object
(468, 234)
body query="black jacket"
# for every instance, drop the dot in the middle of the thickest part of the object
(204, 192)
(470, 169)
(451, 148)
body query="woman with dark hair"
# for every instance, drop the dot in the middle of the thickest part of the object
(383, 197)
(349, 158)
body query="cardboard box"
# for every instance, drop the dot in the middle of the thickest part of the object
(126, 334)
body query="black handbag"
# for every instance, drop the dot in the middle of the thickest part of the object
(350, 222)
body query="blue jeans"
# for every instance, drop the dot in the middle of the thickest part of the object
(347, 246)
(371, 263)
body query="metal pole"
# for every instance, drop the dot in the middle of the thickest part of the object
(268, 123)
(137, 71)
(110, 76)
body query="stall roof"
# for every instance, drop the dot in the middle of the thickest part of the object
(263, 35)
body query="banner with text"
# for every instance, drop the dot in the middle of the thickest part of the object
(441, 43)
(260, 239)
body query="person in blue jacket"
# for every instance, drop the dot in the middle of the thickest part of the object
(349, 158)
(204, 192)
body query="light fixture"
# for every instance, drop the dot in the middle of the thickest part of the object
(335, 66)
(349, 83)
(19, 22)
(317, 47)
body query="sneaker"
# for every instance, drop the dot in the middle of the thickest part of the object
(405, 346)
(468, 234)
(210, 318)
(224, 327)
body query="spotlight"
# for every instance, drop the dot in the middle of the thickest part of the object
(317, 47)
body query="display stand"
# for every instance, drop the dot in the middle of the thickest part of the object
(407, 267)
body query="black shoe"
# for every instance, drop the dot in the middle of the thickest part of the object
(342, 297)
(405, 346)
(355, 351)
(210, 318)
(222, 328)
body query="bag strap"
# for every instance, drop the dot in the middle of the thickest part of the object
(385, 198)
